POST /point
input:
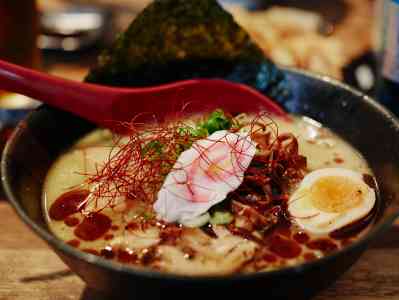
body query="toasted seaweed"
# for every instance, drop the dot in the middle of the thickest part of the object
(173, 40)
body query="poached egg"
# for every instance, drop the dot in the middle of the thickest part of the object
(203, 176)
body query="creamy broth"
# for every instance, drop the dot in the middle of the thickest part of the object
(215, 249)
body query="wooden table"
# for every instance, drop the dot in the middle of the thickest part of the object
(30, 270)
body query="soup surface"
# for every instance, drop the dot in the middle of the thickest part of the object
(211, 194)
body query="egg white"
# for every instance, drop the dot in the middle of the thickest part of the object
(203, 175)
(317, 221)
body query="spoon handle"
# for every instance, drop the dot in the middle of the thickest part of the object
(73, 96)
(103, 105)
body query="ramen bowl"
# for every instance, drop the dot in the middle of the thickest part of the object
(365, 124)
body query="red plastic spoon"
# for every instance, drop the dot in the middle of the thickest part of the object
(102, 104)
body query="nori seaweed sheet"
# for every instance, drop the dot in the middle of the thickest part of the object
(174, 40)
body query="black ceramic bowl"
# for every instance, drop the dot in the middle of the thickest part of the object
(358, 119)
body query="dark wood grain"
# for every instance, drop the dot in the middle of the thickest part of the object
(30, 270)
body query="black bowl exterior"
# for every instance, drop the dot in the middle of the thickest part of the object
(366, 125)
(298, 284)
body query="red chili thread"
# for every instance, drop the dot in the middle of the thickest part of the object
(136, 171)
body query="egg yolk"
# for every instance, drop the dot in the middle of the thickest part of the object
(216, 169)
(334, 194)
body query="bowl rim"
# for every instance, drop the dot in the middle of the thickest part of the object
(60, 245)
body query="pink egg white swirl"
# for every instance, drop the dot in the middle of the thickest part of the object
(203, 175)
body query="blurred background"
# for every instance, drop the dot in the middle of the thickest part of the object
(338, 38)
(329, 37)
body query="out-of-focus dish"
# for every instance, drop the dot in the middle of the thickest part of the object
(306, 39)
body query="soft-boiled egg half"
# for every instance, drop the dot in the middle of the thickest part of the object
(328, 199)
